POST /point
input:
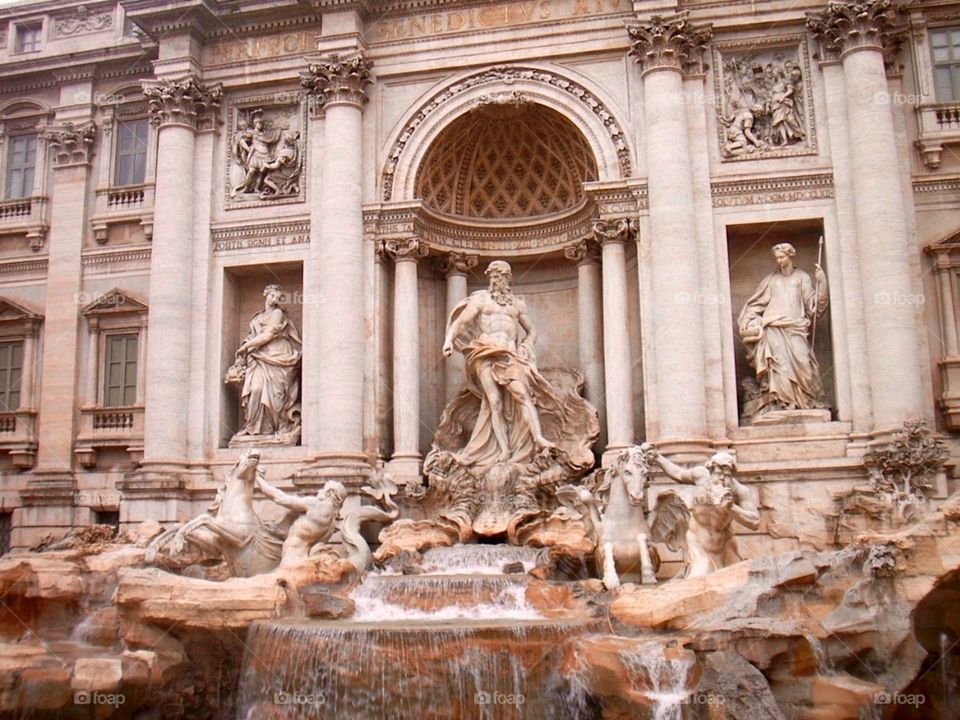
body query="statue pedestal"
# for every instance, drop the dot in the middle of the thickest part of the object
(793, 417)
(246, 441)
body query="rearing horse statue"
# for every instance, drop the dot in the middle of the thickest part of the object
(613, 515)
(230, 530)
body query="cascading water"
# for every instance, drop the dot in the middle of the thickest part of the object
(665, 680)
(438, 646)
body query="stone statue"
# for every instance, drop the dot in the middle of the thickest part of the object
(510, 437)
(774, 325)
(491, 328)
(230, 530)
(705, 529)
(271, 159)
(267, 366)
(316, 520)
(613, 512)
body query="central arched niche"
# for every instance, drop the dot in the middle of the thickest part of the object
(518, 160)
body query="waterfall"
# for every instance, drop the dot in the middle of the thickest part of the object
(409, 671)
(662, 679)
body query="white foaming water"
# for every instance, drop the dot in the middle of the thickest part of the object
(663, 680)
(476, 559)
(510, 603)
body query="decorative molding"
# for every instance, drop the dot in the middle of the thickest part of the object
(582, 252)
(31, 266)
(937, 185)
(336, 79)
(845, 26)
(761, 191)
(261, 235)
(669, 42)
(105, 261)
(402, 250)
(70, 145)
(82, 20)
(182, 102)
(507, 74)
(611, 231)
(455, 263)
(774, 85)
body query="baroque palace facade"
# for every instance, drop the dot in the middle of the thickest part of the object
(164, 163)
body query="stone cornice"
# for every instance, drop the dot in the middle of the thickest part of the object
(847, 26)
(335, 79)
(294, 231)
(761, 191)
(668, 43)
(182, 102)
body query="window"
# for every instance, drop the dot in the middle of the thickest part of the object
(11, 372)
(945, 45)
(21, 163)
(6, 526)
(120, 370)
(131, 158)
(28, 37)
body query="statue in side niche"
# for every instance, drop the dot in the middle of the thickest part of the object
(775, 326)
(705, 527)
(267, 367)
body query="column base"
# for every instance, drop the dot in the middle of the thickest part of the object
(406, 469)
(351, 469)
(687, 451)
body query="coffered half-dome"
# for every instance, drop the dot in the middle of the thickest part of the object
(506, 161)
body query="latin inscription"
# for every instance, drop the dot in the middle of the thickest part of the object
(258, 48)
(491, 16)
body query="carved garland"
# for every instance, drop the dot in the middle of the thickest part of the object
(508, 73)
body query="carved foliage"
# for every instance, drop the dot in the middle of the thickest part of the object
(456, 263)
(668, 42)
(337, 79)
(183, 102)
(403, 249)
(84, 20)
(71, 145)
(845, 26)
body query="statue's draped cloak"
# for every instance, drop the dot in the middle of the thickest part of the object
(466, 427)
(271, 387)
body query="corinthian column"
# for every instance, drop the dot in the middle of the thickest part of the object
(590, 325)
(666, 48)
(617, 364)
(178, 108)
(856, 32)
(405, 464)
(455, 267)
(338, 327)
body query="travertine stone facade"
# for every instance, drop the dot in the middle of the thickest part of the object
(633, 162)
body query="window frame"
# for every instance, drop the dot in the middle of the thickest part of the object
(115, 181)
(6, 390)
(103, 389)
(8, 165)
(953, 63)
(19, 27)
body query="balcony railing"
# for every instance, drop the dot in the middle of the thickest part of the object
(125, 198)
(127, 204)
(25, 216)
(19, 209)
(113, 420)
(109, 427)
(18, 436)
(939, 125)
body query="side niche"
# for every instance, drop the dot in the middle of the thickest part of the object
(265, 150)
(764, 100)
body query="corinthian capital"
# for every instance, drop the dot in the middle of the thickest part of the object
(182, 102)
(456, 263)
(403, 249)
(70, 145)
(336, 79)
(846, 26)
(605, 231)
(668, 42)
(582, 251)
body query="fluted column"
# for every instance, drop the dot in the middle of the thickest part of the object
(178, 108)
(455, 267)
(666, 48)
(617, 363)
(590, 326)
(856, 32)
(405, 464)
(336, 85)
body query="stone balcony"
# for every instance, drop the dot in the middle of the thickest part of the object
(18, 437)
(939, 125)
(127, 204)
(109, 427)
(25, 216)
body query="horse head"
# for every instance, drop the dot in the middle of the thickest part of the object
(630, 469)
(247, 467)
